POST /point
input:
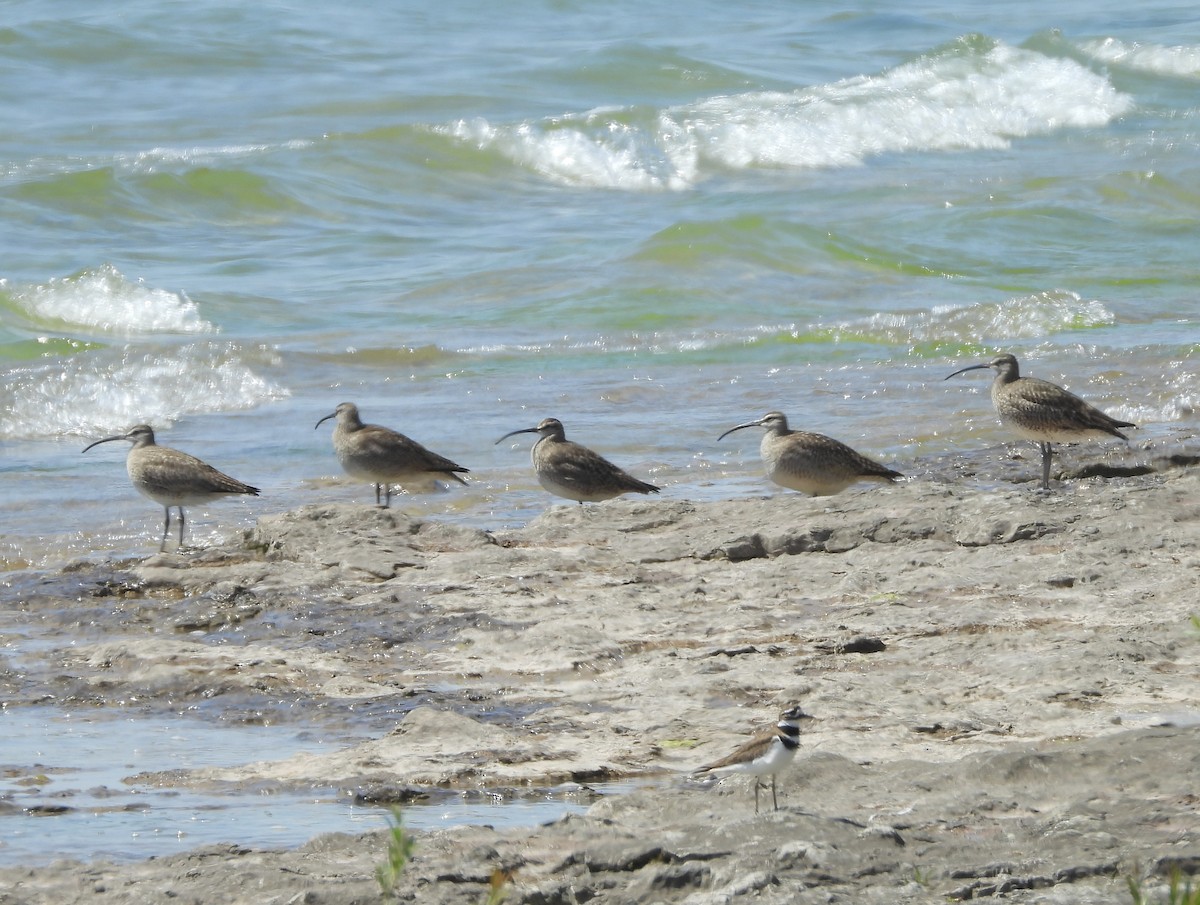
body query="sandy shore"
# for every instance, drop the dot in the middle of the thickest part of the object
(1007, 687)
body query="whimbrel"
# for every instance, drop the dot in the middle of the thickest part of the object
(811, 463)
(383, 457)
(764, 755)
(172, 478)
(1042, 411)
(574, 472)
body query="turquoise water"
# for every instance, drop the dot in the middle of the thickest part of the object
(223, 219)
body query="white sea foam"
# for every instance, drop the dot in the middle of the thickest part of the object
(589, 150)
(1184, 400)
(975, 95)
(936, 103)
(104, 300)
(111, 390)
(1180, 61)
(1027, 317)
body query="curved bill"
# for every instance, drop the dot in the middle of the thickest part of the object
(524, 430)
(106, 440)
(964, 370)
(323, 420)
(757, 423)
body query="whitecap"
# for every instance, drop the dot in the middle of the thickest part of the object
(938, 102)
(111, 390)
(1025, 317)
(589, 150)
(975, 94)
(1180, 61)
(104, 300)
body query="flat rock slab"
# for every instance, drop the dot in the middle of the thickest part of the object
(1005, 685)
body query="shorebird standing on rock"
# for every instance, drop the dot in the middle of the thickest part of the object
(1042, 411)
(574, 472)
(811, 463)
(383, 457)
(172, 478)
(764, 755)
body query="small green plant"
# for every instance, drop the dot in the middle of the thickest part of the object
(1179, 892)
(399, 851)
(400, 848)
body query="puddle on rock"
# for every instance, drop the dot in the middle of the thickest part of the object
(69, 788)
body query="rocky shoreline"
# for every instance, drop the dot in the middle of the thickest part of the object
(1006, 685)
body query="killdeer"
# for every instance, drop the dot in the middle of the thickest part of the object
(764, 755)
(1042, 411)
(172, 478)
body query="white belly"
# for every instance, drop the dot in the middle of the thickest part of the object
(774, 759)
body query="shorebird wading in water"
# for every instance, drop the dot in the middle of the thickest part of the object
(811, 463)
(172, 478)
(764, 755)
(574, 472)
(1042, 411)
(383, 457)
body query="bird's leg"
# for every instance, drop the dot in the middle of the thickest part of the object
(774, 800)
(166, 527)
(376, 494)
(387, 496)
(180, 527)
(756, 795)
(1045, 465)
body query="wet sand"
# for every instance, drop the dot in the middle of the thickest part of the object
(1006, 685)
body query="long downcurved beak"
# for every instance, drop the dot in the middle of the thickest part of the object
(964, 370)
(757, 423)
(323, 420)
(524, 430)
(105, 440)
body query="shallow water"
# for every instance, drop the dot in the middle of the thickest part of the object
(87, 765)
(224, 220)
(73, 786)
(235, 219)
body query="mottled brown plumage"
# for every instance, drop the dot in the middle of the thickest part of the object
(383, 457)
(574, 472)
(172, 478)
(811, 463)
(1042, 411)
